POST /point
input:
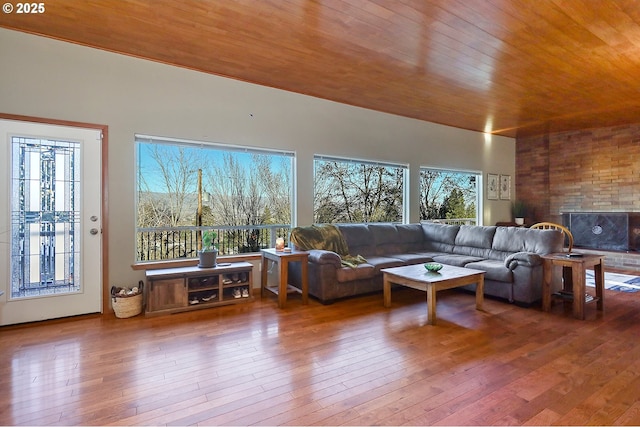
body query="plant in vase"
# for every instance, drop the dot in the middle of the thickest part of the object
(209, 252)
(519, 211)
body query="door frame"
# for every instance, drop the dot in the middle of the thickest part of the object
(104, 206)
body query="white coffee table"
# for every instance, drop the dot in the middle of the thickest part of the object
(417, 277)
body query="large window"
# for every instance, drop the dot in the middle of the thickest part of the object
(351, 191)
(450, 196)
(185, 187)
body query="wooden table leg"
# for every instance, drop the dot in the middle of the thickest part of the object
(546, 285)
(480, 293)
(263, 278)
(305, 281)
(599, 279)
(567, 278)
(431, 304)
(578, 276)
(386, 286)
(284, 280)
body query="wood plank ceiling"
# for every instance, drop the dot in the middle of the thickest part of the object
(511, 67)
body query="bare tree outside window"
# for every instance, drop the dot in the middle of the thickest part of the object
(350, 191)
(250, 191)
(448, 195)
(172, 171)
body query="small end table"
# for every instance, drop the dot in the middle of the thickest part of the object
(573, 269)
(282, 259)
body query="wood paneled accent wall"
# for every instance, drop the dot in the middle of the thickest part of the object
(595, 170)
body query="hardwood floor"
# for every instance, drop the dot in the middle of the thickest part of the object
(351, 363)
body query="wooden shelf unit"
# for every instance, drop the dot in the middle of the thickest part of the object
(171, 290)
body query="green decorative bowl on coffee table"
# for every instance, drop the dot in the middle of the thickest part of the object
(433, 266)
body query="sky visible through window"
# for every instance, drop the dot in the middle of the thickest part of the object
(206, 156)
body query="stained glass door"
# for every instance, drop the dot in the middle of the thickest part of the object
(53, 257)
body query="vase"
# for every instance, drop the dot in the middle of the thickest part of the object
(519, 221)
(207, 258)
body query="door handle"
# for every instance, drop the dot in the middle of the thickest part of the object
(93, 231)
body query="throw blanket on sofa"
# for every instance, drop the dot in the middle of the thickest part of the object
(326, 237)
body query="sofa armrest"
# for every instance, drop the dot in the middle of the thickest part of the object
(529, 259)
(321, 256)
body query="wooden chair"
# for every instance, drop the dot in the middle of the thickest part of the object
(553, 226)
(567, 274)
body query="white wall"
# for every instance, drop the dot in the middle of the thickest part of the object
(51, 79)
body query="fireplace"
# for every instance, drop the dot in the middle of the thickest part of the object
(618, 231)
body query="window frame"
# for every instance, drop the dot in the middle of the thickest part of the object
(479, 195)
(222, 148)
(359, 161)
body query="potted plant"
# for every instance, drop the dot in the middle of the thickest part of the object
(519, 211)
(209, 253)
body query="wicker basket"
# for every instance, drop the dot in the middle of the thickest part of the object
(126, 306)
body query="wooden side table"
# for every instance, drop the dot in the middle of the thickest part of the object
(282, 260)
(574, 271)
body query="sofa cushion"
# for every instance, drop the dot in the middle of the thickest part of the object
(385, 238)
(358, 239)
(413, 257)
(474, 241)
(428, 254)
(439, 237)
(494, 270)
(361, 271)
(455, 259)
(475, 236)
(411, 236)
(380, 262)
(516, 239)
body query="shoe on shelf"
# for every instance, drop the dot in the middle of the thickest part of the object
(245, 293)
(236, 293)
(209, 298)
(194, 301)
(226, 281)
(236, 277)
